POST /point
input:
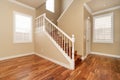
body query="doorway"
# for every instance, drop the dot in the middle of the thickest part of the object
(88, 36)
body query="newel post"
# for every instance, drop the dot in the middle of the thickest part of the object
(73, 51)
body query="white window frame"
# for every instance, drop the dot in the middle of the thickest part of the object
(14, 28)
(48, 7)
(112, 24)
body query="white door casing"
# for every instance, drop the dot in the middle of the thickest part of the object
(88, 36)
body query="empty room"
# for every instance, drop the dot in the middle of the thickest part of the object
(60, 40)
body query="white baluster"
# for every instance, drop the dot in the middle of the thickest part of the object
(44, 15)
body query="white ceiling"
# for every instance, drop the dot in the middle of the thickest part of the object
(97, 5)
(32, 3)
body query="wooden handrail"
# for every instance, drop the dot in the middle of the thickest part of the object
(59, 29)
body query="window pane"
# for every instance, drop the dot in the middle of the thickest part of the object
(23, 28)
(103, 28)
(50, 5)
(22, 23)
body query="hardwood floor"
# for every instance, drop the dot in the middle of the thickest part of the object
(36, 68)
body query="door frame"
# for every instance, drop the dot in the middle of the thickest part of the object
(88, 36)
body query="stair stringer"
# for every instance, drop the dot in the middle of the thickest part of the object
(49, 51)
(58, 47)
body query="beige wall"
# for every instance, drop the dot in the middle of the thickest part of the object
(45, 47)
(7, 47)
(72, 22)
(65, 4)
(110, 48)
(52, 16)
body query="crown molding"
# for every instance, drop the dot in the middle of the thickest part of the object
(88, 8)
(106, 10)
(102, 11)
(21, 4)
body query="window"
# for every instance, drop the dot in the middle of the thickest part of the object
(22, 28)
(103, 28)
(50, 5)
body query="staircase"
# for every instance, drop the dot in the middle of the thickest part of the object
(61, 40)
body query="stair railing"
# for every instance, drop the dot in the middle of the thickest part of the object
(59, 36)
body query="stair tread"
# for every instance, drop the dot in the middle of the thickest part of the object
(77, 57)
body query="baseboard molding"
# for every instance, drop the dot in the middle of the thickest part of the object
(26, 54)
(50, 59)
(105, 54)
(54, 61)
(84, 57)
(15, 56)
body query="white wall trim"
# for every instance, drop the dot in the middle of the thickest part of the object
(106, 10)
(15, 56)
(88, 8)
(64, 11)
(105, 54)
(57, 62)
(102, 11)
(58, 47)
(27, 54)
(21, 4)
(84, 57)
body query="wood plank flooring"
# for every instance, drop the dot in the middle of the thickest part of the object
(35, 68)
